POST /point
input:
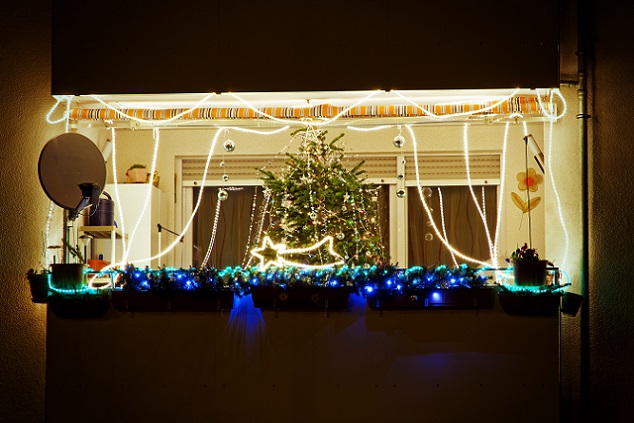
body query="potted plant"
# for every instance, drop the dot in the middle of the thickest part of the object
(137, 173)
(528, 268)
(38, 282)
(69, 276)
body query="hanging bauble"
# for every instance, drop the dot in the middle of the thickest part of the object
(400, 193)
(368, 253)
(225, 177)
(374, 198)
(427, 192)
(344, 208)
(400, 176)
(222, 163)
(230, 145)
(429, 223)
(312, 215)
(222, 195)
(399, 141)
(340, 236)
(429, 236)
(373, 220)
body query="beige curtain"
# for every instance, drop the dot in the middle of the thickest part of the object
(234, 221)
(464, 226)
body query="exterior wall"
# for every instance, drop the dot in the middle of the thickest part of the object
(25, 99)
(611, 311)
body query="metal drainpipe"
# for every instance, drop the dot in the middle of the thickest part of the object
(583, 117)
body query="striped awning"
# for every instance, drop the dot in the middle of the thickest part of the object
(524, 105)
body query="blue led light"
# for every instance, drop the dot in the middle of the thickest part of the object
(369, 289)
(436, 296)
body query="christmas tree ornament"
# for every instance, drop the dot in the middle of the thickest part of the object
(427, 192)
(400, 176)
(340, 236)
(229, 146)
(312, 215)
(429, 237)
(225, 177)
(222, 163)
(222, 195)
(400, 193)
(399, 141)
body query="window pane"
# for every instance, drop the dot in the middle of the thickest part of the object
(465, 230)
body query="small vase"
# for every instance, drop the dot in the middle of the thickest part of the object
(530, 273)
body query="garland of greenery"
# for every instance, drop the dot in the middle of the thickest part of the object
(356, 278)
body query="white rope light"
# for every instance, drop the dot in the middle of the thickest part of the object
(473, 196)
(547, 110)
(116, 192)
(442, 221)
(213, 234)
(562, 221)
(148, 195)
(498, 223)
(422, 199)
(453, 115)
(153, 122)
(305, 122)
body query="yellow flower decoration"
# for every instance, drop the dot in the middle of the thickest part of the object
(530, 181)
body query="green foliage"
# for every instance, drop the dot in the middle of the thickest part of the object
(75, 251)
(137, 166)
(316, 195)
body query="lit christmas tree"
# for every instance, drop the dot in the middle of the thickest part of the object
(315, 197)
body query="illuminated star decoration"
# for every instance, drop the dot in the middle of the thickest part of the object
(271, 254)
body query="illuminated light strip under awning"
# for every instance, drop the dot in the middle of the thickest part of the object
(525, 105)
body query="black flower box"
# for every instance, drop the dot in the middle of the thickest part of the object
(300, 298)
(530, 304)
(144, 301)
(80, 305)
(431, 299)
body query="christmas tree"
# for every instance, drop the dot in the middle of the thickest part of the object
(315, 196)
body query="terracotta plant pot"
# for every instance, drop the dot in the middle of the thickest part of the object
(530, 273)
(68, 276)
(137, 175)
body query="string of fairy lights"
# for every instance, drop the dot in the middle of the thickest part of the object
(547, 108)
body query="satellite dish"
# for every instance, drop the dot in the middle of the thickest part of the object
(72, 172)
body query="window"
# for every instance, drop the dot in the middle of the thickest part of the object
(457, 217)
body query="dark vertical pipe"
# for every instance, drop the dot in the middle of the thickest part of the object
(583, 116)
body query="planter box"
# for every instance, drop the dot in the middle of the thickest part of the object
(174, 301)
(432, 299)
(79, 306)
(300, 298)
(518, 304)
